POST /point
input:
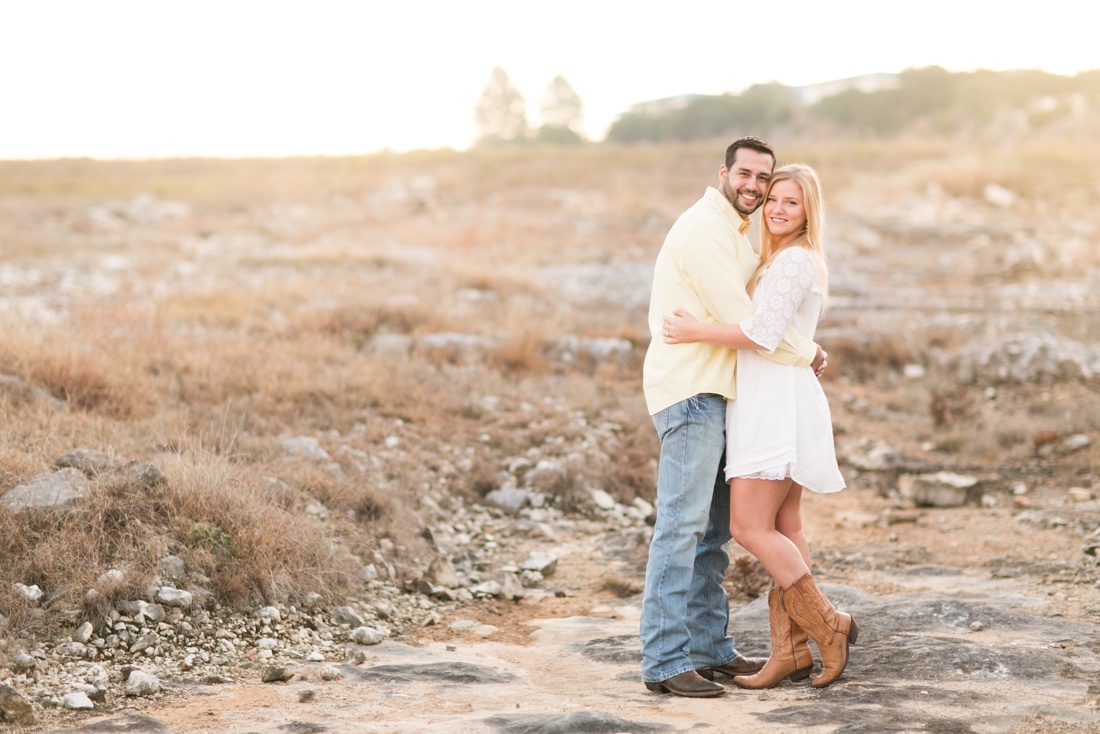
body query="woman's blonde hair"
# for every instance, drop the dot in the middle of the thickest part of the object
(810, 238)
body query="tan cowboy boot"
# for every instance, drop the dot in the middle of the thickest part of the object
(831, 630)
(790, 658)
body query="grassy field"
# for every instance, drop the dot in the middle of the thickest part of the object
(196, 314)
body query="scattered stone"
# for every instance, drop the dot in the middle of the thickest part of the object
(71, 649)
(367, 636)
(866, 454)
(86, 461)
(58, 489)
(1076, 442)
(347, 615)
(269, 614)
(174, 597)
(31, 593)
(140, 683)
(83, 633)
(330, 673)
(384, 609)
(306, 696)
(530, 579)
(20, 392)
(941, 489)
(1079, 494)
(78, 700)
(15, 708)
(441, 572)
(276, 674)
(488, 588)
(140, 476)
(999, 196)
(1032, 358)
(543, 563)
(173, 567)
(307, 447)
(509, 498)
(24, 662)
(603, 500)
(913, 371)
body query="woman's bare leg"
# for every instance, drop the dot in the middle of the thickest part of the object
(754, 508)
(789, 522)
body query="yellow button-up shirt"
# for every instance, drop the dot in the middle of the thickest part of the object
(703, 267)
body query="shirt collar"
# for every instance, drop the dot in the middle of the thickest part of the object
(741, 223)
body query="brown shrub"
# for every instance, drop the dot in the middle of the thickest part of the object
(621, 586)
(519, 356)
(951, 406)
(859, 361)
(746, 578)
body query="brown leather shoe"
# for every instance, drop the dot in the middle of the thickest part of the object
(689, 684)
(740, 665)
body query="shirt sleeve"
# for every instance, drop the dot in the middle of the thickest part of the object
(791, 277)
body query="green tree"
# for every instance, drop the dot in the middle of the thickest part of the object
(760, 109)
(562, 113)
(501, 112)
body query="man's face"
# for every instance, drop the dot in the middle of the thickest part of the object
(745, 183)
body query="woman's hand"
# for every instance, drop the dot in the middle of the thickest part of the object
(680, 328)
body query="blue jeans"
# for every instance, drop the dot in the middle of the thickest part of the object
(685, 610)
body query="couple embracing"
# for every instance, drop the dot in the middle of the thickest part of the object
(730, 379)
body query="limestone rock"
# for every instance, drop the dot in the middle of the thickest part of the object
(15, 708)
(941, 489)
(78, 701)
(367, 635)
(47, 490)
(140, 683)
(87, 461)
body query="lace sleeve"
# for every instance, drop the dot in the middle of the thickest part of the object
(790, 278)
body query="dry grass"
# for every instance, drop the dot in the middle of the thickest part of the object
(746, 578)
(621, 586)
(250, 319)
(238, 537)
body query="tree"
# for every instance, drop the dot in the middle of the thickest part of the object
(501, 113)
(561, 105)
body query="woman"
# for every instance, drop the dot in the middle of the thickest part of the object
(779, 432)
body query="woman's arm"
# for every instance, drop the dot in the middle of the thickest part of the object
(680, 327)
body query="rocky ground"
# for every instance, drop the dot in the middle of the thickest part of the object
(972, 620)
(963, 387)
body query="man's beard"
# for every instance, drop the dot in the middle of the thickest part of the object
(734, 199)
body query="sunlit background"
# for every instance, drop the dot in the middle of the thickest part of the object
(134, 78)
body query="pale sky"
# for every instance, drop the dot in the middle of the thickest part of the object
(160, 78)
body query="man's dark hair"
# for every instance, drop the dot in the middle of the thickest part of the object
(752, 143)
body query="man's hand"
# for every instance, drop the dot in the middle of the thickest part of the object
(820, 361)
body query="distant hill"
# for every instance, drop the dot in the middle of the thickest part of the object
(925, 101)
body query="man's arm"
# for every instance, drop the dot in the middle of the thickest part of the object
(719, 280)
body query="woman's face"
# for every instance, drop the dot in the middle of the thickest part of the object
(784, 213)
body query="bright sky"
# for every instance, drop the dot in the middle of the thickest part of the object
(156, 78)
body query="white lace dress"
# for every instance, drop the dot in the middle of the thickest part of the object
(780, 425)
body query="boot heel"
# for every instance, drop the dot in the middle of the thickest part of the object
(656, 687)
(853, 633)
(801, 674)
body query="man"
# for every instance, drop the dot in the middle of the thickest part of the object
(702, 267)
